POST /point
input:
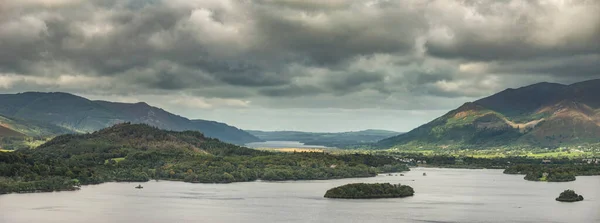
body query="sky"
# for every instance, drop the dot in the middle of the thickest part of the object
(308, 65)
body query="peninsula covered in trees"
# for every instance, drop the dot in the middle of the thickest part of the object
(366, 191)
(138, 152)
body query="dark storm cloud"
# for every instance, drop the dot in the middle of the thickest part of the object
(497, 30)
(278, 53)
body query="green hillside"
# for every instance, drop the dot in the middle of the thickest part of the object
(32, 128)
(540, 115)
(17, 133)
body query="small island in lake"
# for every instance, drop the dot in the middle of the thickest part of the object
(569, 196)
(366, 191)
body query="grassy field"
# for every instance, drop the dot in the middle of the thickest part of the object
(115, 159)
(35, 143)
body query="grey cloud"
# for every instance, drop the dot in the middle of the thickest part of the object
(353, 82)
(585, 66)
(331, 37)
(485, 31)
(292, 90)
(339, 53)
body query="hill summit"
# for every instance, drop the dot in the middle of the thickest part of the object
(140, 137)
(540, 115)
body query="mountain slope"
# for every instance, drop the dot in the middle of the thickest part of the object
(223, 131)
(340, 139)
(82, 115)
(6, 132)
(543, 114)
(31, 128)
(18, 133)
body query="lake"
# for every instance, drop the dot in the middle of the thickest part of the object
(444, 195)
(281, 144)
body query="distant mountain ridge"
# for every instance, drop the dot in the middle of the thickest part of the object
(542, 115)
(339, 139)
(79, 114)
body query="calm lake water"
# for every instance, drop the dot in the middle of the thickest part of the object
(444, 195)
(280, 144)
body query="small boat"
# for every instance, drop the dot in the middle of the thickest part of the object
(424, 174)
(139, 187)
(401, 175)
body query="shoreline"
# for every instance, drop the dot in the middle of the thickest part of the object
(80, 187)
(459, 167)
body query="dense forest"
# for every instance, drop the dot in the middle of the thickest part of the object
(454, 161)
(138, 152)
(553, 172)
(366, 191)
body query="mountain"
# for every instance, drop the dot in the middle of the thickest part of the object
(341, 139)
(79, 114)
(539, 115)
(223, 131)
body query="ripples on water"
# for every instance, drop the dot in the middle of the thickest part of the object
(444, 195)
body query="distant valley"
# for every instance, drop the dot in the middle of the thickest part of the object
(357, 139)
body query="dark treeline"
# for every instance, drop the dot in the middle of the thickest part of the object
(366, 191)
(535, 169)
(140, 153)
(553, 172)
(472, 162)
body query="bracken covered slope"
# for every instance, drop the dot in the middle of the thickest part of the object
(543, 114)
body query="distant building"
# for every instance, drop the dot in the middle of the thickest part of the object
(591, 161)
(546, 161)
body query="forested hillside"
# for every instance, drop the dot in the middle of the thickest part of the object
(138, 152)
